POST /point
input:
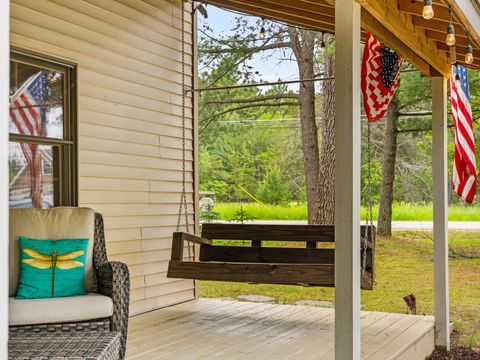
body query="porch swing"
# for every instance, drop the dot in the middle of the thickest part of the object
(258, 264)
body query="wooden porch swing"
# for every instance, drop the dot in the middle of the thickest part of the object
(261, 263)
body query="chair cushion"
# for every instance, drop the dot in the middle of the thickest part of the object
(48, 224)
(59, 310)
(52, 268)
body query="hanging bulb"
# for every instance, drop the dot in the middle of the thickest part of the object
(458, 83)
(262, 33)
(450, 35)
(469, 54)
(427, 10)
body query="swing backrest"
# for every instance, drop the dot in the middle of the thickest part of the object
(310, 235)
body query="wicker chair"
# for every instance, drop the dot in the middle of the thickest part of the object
(113, 280)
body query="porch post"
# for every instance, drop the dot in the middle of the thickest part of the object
(4, 104)
(347, 180)
(440, 211)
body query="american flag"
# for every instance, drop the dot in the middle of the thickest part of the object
(464, 164)
(380, 75)
(28, 116)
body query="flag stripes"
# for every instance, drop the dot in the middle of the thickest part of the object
(464, 179)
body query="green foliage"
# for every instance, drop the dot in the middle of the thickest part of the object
(401, 211)
(207, 214)
(242, 216)
(274, 189)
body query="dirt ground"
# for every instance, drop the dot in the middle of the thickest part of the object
(458, 353)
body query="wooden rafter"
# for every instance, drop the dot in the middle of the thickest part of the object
(423, 44)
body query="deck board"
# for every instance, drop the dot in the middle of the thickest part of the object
(225, 329)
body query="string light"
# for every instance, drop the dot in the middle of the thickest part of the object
(450, 35)
(262, 30)
(458, 83)
(428, 12)
(469, 52)
(450, 31)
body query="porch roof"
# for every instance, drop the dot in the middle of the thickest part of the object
(397, 23)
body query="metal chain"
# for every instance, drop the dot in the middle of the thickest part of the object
(369, 212)
(183, 198)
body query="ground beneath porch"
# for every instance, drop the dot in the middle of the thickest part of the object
(226, 329)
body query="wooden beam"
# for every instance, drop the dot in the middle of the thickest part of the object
(468, 14)
(320, 23)
(401, 26)
(416, 8)
(437, 25)
(347, 179)
(440, 211)
(4, 183)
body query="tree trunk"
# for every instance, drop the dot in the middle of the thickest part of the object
(384, 226)
(325, 202)
(302, 43)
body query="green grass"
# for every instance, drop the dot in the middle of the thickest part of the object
(404, 265)
(401, 212)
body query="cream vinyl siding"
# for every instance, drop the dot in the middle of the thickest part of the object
(129, 56)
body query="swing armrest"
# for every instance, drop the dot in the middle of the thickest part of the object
(178, 243)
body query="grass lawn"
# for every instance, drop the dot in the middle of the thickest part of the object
(401, 212)
(404, 265)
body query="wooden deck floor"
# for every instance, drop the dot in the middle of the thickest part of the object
(224, 329)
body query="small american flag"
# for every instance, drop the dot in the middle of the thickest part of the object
(380, 74)
(28, 116)
(464, 164)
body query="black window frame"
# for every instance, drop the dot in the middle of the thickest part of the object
(66, 149)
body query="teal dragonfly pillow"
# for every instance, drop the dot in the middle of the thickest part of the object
(51, 268)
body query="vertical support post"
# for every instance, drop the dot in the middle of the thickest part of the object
(196, 138)
(440, 211)
(347, 180)
(4, 184)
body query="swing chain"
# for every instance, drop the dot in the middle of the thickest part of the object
(369, 212)
(183, 198)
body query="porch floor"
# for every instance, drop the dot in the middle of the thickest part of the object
(226, 329)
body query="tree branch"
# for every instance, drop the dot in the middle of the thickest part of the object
(279, 45)
(252, 100)
(213, 117)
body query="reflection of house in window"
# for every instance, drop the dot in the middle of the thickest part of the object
(20, 185)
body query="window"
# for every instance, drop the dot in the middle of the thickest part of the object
(42, 152)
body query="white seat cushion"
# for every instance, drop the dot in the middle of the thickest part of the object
(59, 310)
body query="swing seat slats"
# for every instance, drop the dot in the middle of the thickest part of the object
(260, 264)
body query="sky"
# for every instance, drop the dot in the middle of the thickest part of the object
(221, 21)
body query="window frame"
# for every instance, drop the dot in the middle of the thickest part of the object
(66, 191)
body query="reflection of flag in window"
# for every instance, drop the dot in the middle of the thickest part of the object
(464, 164)
(28, 116)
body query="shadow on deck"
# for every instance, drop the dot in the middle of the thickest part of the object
(225, 329)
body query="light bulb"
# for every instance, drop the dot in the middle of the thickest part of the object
(450, 35)
(427, 10)
(469, 54)
(457, 81)
(262, 33)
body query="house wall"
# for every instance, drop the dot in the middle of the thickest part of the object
(129, 119)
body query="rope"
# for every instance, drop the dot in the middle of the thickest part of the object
(183, 199)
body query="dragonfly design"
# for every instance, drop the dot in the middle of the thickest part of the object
(44, 261)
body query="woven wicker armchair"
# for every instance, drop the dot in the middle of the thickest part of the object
(113, 280)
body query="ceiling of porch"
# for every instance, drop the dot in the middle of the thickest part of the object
(397, 23)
